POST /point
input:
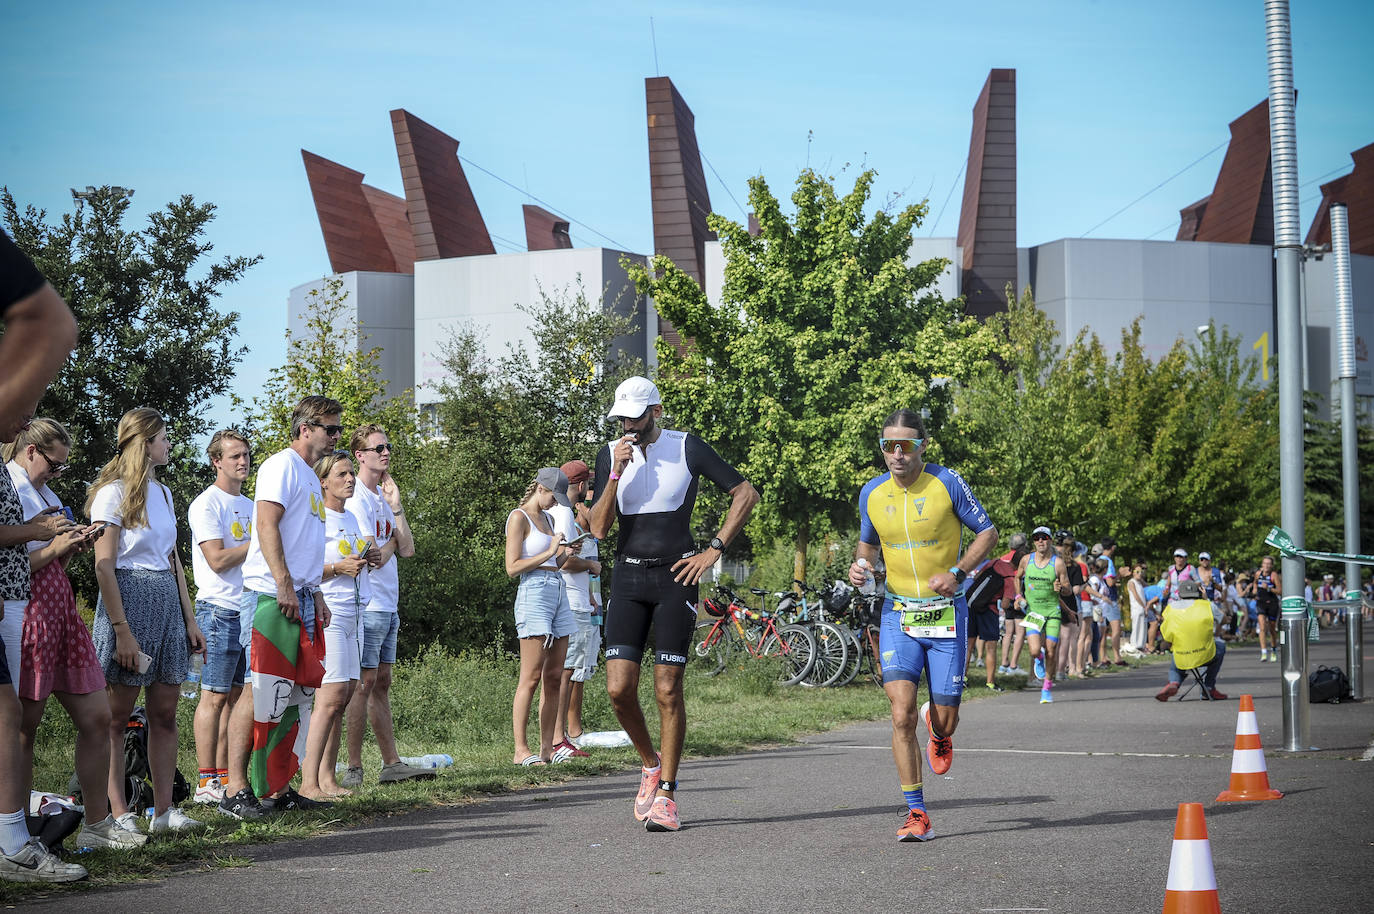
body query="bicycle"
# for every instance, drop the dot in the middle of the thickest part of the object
(717, 638)
(833, 642)
(861, 614)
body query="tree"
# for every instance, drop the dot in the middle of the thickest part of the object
(150, 334)
(1179, 451)
(329, 359)
(823, 330)
(497, 422)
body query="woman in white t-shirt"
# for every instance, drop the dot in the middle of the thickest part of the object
(59, 657)
(145, 626)
(346, 587)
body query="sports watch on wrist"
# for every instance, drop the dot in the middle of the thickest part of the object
(959, 575)
(717, 545)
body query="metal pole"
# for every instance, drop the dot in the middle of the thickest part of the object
(1350, 462)
(1288, 263)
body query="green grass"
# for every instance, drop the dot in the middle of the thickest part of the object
(461, 706)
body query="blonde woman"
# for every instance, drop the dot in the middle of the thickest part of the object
(543, 616)
(144, 622)
(58, 655)
(346, 587)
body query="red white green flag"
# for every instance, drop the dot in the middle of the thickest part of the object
(287, 667)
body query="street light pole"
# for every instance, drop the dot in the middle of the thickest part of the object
(1287, 276)
(1350, 462)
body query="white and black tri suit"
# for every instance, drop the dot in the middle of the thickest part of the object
(654, 502)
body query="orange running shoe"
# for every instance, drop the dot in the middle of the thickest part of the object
(648, 786)
(939, 750)
(917, 827)
(662, 816)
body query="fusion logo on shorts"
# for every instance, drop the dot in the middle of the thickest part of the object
(664, 657)
(612, 653)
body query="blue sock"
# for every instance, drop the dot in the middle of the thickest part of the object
(915, 799)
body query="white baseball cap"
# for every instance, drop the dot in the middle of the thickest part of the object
(633, 397)
(1204, 555)
(1181, 553)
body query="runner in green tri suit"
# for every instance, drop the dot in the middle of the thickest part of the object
(1045, 576)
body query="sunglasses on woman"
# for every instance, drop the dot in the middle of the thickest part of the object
(900, 445)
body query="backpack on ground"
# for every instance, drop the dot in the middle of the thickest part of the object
(1327, 684)
(138, 783)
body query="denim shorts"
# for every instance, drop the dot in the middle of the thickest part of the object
(1111, 612)
(541, 606)
(584, 646)
(225, 659)
(379, 638)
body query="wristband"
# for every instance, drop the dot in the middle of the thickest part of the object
(615, 475)
(124, 622)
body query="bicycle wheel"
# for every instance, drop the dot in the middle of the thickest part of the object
(853, 658)
(711, 645)
(797, 648)
(831, 651)
(875, 669)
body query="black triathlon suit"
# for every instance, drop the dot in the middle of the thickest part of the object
(654, 501)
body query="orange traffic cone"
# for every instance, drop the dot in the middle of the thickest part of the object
(1249, 777)
(1192, 882)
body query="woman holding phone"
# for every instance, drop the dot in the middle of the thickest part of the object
(144, 622)
(58, 656)
(543, 616)
(347, 587)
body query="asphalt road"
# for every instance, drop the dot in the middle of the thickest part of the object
(1067, 807)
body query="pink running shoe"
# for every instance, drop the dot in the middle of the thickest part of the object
(648, 787)
(663, 816)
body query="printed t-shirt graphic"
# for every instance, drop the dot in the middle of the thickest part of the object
(376, 519)
(217, 515)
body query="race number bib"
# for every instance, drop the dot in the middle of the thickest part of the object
(929, 618)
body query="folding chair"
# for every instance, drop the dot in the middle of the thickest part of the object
(1195, 682)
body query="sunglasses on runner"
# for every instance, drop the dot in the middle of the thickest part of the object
(900, 445)
(1040, 536)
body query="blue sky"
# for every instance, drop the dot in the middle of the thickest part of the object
(217, 101)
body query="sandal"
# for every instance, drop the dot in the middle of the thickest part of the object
(532, 761)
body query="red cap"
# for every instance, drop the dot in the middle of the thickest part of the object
(575, 470)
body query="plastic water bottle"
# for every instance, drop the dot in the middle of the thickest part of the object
(192, 684)
(433, 760)
(869, 585)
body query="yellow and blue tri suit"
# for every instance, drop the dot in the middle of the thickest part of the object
(920, 530)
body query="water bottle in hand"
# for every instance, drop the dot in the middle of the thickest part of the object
(192, 684)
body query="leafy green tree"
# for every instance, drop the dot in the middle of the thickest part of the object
(1325, 491)
(498, 420)
(150, 331)
(329, 359)
(823, 330)
(1179, 451)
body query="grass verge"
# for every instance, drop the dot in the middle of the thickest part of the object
(461, 705)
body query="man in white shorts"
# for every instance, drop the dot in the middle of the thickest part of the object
(376, 504)
(221, 522)
(584, 644)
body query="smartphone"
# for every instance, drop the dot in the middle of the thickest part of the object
(579, 540)
(144, 661)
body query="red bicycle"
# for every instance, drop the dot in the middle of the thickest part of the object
(732, 626)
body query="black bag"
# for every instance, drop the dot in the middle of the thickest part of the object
(1327, 684)
(138, 790)
(985, 589)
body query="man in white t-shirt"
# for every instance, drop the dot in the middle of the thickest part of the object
(283, 614)
(221, 520)
(376, 504)
(584, 644)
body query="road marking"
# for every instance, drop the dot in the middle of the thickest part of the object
(1368, 754)
(1061, 752)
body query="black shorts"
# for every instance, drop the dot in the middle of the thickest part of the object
(985, 624)
(5, 676)
(1268, 608)
(644, 596)
(1013, 614)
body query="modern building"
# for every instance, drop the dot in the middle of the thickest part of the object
(418, 266)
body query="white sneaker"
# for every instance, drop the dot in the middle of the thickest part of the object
(129, 822)
(175, 820)
(108, 833)
(1017, 671)
(35, 863)
(211, 793)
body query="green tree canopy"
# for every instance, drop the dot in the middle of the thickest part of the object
(150, 333)
(823, 330)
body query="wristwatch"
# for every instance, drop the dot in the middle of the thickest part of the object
(717, 545)
(959, 575)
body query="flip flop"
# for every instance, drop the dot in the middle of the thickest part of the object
(532, 761)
